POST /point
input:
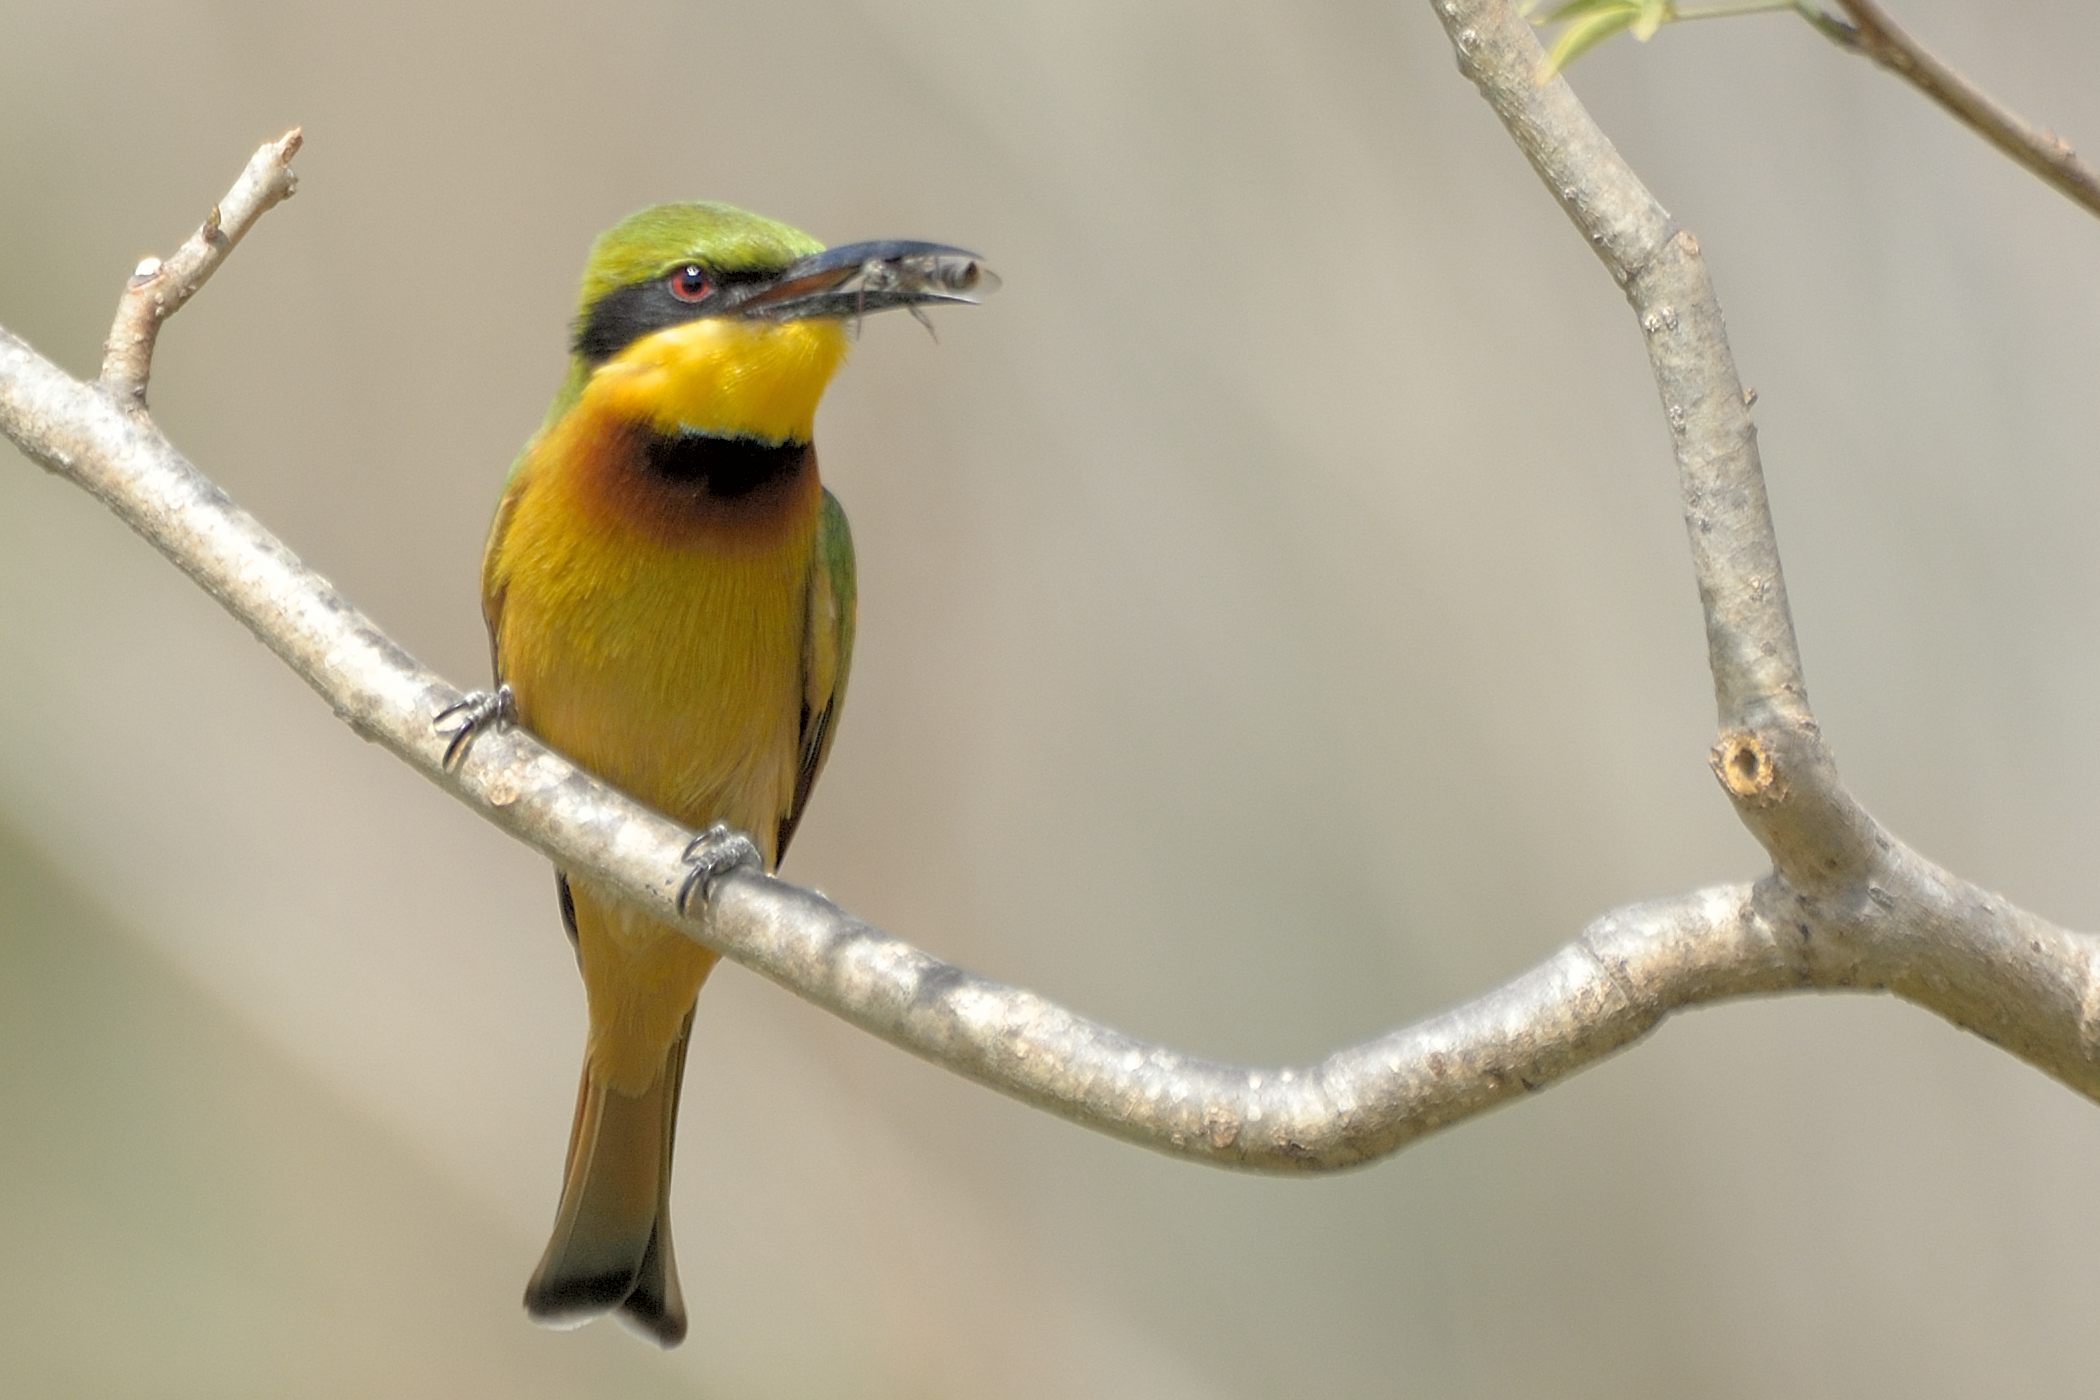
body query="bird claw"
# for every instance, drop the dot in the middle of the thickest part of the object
(714, 853)
(466, 718)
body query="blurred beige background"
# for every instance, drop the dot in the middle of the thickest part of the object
(1275, 627)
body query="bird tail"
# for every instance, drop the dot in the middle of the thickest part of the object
(612, 1233)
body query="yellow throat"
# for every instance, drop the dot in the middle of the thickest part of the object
(725, 378)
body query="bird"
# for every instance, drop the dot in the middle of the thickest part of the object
(669, 593)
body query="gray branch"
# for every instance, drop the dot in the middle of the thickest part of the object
(1844, 907)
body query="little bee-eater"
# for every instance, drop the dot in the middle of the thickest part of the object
(669, 595)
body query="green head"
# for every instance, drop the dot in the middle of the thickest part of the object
(652, 244)
(682, 262)
(703, 318)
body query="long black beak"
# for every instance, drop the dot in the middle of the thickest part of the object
(854, 279)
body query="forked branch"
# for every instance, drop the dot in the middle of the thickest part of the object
(1847, 907)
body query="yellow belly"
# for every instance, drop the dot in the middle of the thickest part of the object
(670, 667)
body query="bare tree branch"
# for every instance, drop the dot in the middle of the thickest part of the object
(1604, 990)
(1847, 907)
(1875, 33)
(1771, 758)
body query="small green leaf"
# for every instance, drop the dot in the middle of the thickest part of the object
(1654, 15)
(1585, 34)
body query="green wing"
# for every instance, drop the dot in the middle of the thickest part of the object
(827, 655)
(494, 586)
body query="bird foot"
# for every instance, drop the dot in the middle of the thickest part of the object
(467, 718)
(714, 853)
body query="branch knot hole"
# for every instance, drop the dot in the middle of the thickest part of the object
(1746, 769)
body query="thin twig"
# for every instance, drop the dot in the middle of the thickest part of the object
(158, 289)
(1733, 10)
(1876, 34)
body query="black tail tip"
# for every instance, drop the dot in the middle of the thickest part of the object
(648, 1316)
(655, 1307)
(571, 1302)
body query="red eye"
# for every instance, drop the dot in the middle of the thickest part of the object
(689, 283)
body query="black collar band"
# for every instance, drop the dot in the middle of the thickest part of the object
(723, 467)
